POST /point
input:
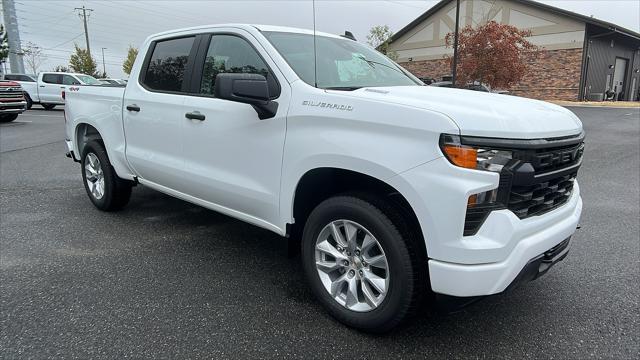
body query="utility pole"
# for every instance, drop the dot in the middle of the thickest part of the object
(13, 36)
(104, 68)
(455, 46)
(84, 19)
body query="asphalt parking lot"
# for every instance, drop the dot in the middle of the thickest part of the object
(165, 278)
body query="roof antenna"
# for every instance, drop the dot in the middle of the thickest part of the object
(315, 56)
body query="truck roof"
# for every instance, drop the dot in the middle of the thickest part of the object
(248, 27)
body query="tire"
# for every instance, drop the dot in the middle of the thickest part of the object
(402, 276)
(8, 117)
(114, 192)
(27, 98)
(48, 106)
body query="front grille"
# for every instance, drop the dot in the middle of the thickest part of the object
(550, 159)
(539, 198)
(538, 179)
(10, 96)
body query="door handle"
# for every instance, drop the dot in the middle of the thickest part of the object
(196, 115)
(133, 107)
(41, 85)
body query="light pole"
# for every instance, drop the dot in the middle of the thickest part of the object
(104, 69)
(455, 46)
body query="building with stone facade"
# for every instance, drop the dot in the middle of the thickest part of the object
(582, 58)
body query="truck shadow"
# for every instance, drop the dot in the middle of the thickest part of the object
(208, 233)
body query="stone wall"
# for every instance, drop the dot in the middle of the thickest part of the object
(554, 75)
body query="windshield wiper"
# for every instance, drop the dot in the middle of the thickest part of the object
(374, 63)
(343, 88)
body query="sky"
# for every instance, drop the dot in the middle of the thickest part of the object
(115, 24)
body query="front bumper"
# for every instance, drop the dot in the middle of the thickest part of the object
(489, 261)
(14, 107)
(465, 280)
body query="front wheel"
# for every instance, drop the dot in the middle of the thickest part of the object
(27, 98)
(106, 190)
(8, 117)
(357, 262)
(48, 106)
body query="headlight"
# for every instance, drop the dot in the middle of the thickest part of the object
(473, 157)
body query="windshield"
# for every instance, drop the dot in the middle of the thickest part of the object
(88, 80)
(342, 63)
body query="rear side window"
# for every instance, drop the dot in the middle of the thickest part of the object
(52, 78)
(232, 54)
(165, 71)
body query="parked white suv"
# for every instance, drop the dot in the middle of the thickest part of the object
(396, 190)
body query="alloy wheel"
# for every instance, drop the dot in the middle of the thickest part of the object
(352, 265)
(94, 176)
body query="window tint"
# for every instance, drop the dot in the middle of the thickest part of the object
(232, 54)
(25, 78)
(12, 77)
(69, 80)
(165, 71)
(52, 78)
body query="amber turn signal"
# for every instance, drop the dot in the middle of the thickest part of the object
(462, 156)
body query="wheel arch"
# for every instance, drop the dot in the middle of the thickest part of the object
(320, 183)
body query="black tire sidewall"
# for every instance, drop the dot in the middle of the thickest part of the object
(104, 203)
(27, 98)
(397, 300)
(8, 117)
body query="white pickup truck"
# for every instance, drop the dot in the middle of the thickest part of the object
(396, 190)
(47, 88)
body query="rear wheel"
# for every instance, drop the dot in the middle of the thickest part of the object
(8, 117)
(106, 190)
(48, 106)
(358, 262)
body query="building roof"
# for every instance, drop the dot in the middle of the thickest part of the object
(553, 9)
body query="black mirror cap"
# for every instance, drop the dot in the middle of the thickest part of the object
(251, 89)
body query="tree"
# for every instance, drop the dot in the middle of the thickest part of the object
(33, 56)
(379, 37)
(132, 53)
(82, 62)
(61, 68)
(4, 45)
(493, 54)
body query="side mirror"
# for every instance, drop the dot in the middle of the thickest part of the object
(250, 89)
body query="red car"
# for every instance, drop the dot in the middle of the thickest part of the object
(12, 101)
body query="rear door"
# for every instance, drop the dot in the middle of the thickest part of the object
(154, 113)
(233, 159)
(50, 88)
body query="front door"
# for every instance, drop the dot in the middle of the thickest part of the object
(619, 75)
(233, 159)
(154, 114)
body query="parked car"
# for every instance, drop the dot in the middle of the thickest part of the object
(396, 190)
(47, 89)
(113, 82)
(475, 87)
(12, 101)
(21, 77)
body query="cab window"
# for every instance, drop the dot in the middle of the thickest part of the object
(233, 54)
(167, 64)
(69, 80)
(52, 78)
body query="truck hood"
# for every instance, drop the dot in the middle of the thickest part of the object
(483, 114)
